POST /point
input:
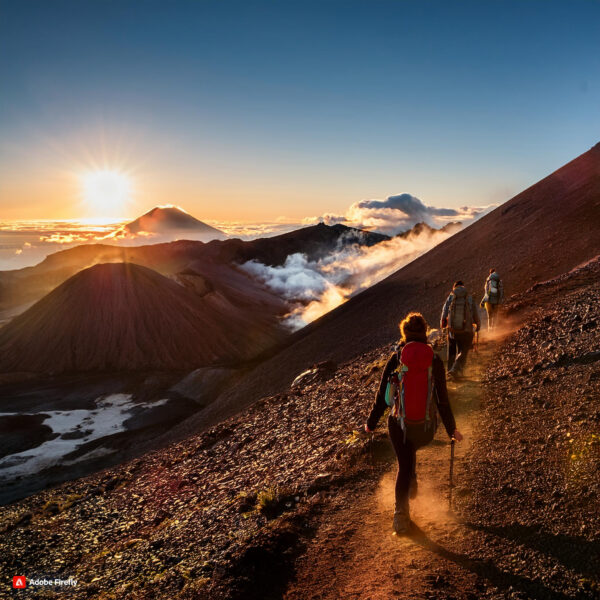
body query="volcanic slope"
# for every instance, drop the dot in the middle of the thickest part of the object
(31, 283)
(166, 219)
(122, 316)
(544, 231)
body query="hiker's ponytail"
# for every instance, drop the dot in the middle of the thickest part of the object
(413, 328)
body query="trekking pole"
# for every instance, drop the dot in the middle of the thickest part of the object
(452, 442)
(447, 334)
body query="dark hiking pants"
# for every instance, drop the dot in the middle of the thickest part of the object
(406, 452)
(458, 343)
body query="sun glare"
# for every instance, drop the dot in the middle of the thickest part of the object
(106, 193)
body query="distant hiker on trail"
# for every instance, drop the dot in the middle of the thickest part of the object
(493, 296)
(459, 315)
(413, 385)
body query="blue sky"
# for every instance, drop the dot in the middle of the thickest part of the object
(254, 110)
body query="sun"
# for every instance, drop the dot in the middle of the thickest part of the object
(107, 192)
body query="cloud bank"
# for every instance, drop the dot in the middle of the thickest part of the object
(313, 288)
(397, 214)
(26, 243)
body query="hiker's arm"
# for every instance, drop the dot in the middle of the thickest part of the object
(444, 317)
(379, 405)
(443, 405)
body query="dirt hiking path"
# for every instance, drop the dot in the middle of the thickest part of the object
(356, 555)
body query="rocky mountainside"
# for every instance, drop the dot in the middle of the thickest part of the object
(177, 522)
(122, 316)
(544, 231)
(523, 520)
(548, 375)
(225, 513)
(532, 477)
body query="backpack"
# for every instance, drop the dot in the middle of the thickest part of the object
(409, 392)
(494, 290)
(460, 314)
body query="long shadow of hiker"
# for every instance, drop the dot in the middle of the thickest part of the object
(574, 553)
(488, 570)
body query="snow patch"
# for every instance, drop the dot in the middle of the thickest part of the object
(106, 419)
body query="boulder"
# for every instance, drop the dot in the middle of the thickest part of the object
(318, 372)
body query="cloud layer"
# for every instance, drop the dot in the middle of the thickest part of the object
(399, 213)
(315, 287)
(26, 243)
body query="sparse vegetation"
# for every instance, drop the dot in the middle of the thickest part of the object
(267, 499)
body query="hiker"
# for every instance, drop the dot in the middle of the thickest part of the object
(413, 384)
(493, 296)
(459, 315)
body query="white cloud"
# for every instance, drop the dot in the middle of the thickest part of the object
(313, 288)
(251, 231)
(399, 213)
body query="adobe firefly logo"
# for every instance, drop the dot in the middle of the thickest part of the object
(19, 582)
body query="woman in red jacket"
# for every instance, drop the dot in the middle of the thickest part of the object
(413, 384)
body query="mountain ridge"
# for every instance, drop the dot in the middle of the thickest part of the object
(519, 238)
(31, 283)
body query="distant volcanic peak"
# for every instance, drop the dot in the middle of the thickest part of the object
(424, 228)
(110, 316)
(169, 219)
(373, 236)
(113, 271)
(420, 228)
(452, 227)
(322, 231)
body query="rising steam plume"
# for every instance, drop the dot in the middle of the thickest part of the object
(313, 288)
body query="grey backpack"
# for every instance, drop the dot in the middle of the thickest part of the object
(494, 290)
(460, 316)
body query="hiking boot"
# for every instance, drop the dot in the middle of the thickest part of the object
(413, 488)
(401, 521)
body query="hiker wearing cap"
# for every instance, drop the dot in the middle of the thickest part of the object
(459, 315)
(413, 385)
(493, 296)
